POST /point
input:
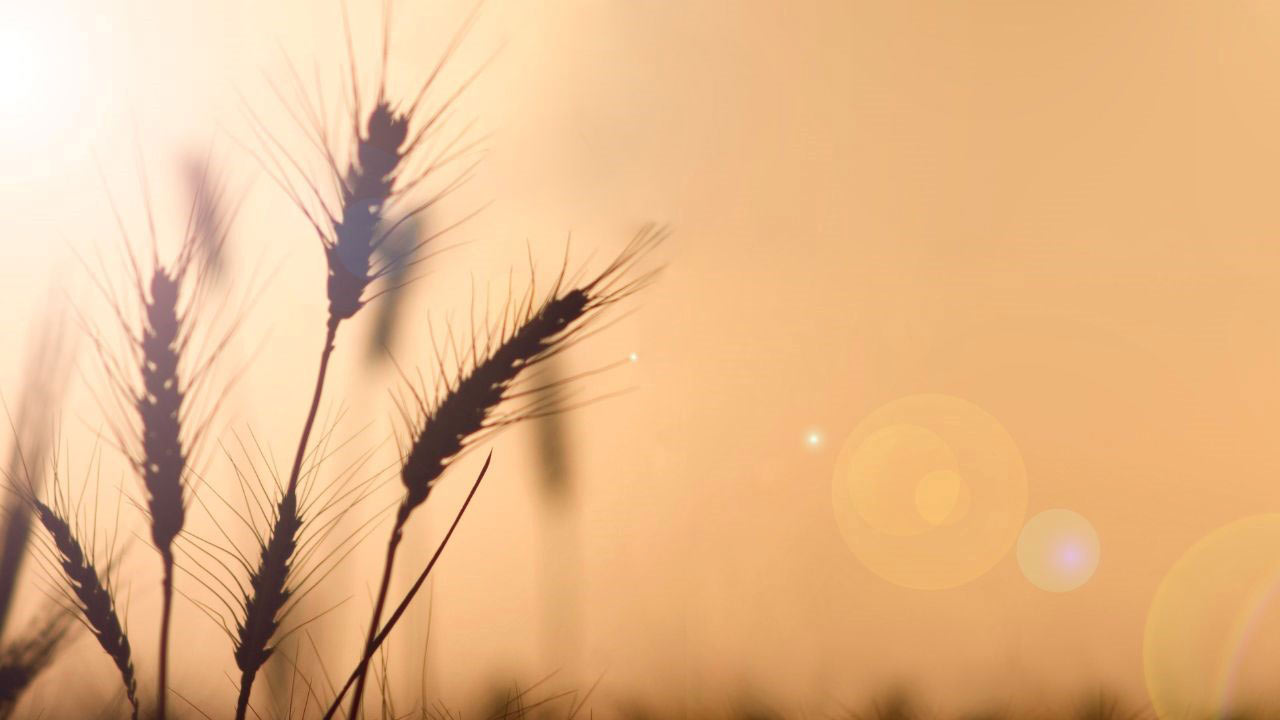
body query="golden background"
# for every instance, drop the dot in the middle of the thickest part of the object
(1062, 212)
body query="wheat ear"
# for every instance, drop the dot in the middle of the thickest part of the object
(23, 659)
(466, 409)
(154, 402)
(47, 365)
(164, 458)
(93, 597)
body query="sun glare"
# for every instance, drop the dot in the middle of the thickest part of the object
(50, 84)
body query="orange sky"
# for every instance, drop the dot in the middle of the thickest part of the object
(1059, 212)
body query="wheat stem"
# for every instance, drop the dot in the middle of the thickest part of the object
(162, 691)
(376, 641)
(165, 614)
(331, 334)
(397, 534)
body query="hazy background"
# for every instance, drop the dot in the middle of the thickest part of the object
(1061, 212)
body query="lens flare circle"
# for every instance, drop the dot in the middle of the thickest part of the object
(1058, 550)
(942, 497)
(1212, 637)
(929, 491)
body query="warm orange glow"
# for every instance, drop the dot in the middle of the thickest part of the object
(950, 284)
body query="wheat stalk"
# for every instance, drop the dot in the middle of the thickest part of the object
(154, 387)
(267, 597)
(447, 427)
(351, 236)
(23, 659)
(284, 567)
(395, 616)
(44, 378)
(164, 458)
(92, 595)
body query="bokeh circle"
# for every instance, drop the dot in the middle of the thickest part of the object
(1058, 550)
(929, 491)
(1212, 637)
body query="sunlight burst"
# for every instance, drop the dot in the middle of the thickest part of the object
(51, 84)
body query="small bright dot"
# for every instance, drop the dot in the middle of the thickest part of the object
(813, 438)
(634, 357)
